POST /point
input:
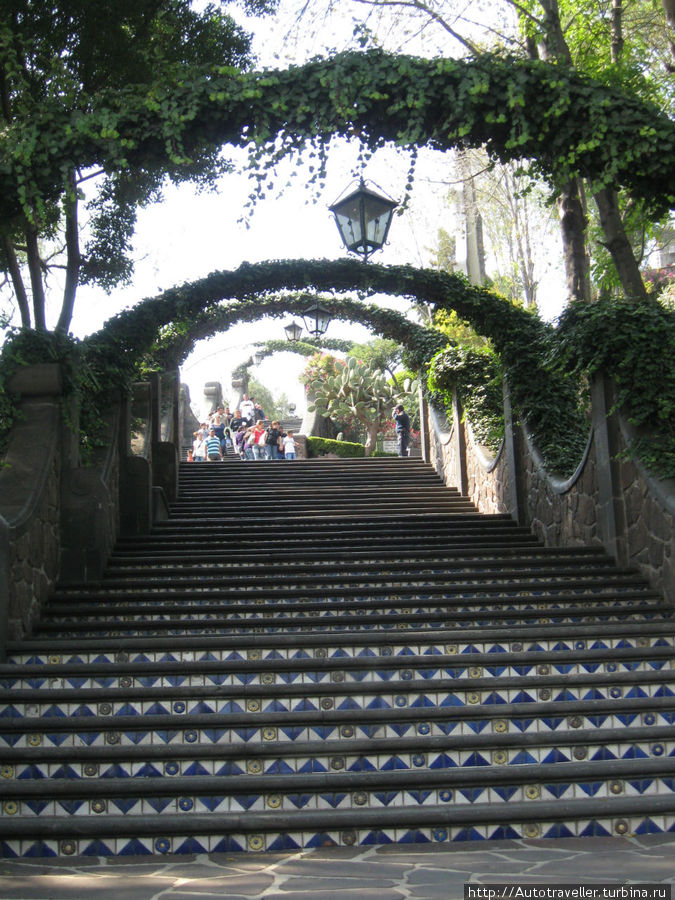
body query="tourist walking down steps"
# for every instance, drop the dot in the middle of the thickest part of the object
(214, 451)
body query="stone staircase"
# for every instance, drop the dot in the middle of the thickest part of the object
(311, 653)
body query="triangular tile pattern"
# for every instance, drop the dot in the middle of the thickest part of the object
(326, 653)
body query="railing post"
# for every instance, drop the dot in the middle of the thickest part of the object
(611, 515)
(459, 441)
(155, 407)
(515, 490)
(425, 443)
(135, 465)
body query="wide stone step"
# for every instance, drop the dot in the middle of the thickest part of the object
(339, 693)
(467, 643)
(279, 550)
(351, 790)
(423, 619)
(207, 587)
(199, 576)
(419, 746)
(389, 561)
(244, 626)
(404, 640)
(528, 724)
(167, 614)
(251, 669)
(311, 510)
(276, 831)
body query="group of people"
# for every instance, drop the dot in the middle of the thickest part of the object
(245, 431)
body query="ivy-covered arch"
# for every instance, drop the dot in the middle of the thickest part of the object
(547, 401)
(177, 341)
(520, 109)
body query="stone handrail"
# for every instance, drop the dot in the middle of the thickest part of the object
(609, 499)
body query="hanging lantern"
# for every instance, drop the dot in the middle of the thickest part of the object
(293, 331)
(363, 219)
(317, 319)
(258, 357)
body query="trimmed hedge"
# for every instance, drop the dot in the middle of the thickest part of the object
(317, 446)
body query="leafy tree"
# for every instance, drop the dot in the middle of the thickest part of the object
(620, 41)
(64, 56)
(383, 354)
(272, 408)
(358, 391)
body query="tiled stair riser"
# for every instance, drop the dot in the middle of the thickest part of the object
(235, 840)
(54, 681)
(190, 804)
(542, 646)
(406, 693)
(251, 731)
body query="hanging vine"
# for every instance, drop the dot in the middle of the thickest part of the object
(517, 108)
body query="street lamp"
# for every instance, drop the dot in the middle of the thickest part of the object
(258, 356)
(293, 331)
(317, 319)
(363, 219)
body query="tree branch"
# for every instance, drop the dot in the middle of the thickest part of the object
(525, 13)
(422, 7)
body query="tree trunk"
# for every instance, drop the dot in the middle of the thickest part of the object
(573, 227)
(618, 244)
(554, 45)
(617, 30)
(372, 432)
(35, 270)
(669, 9)
(73, 258)
(17, 282)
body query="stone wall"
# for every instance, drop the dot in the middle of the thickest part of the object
(483, 475)
(34, 543)
(486, 475)
(562, 512)
(58, 519)
(649, 512)
(30, 503)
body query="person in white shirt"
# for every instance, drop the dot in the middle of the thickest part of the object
(247, 408)
(289, 446)
(199, 447)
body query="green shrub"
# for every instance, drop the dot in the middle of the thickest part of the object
(321, 446)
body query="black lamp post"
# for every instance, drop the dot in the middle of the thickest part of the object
(317, 319)
(293, 331)
(363, 219)
(258, 357)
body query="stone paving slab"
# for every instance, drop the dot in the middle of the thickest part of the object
(421, 872)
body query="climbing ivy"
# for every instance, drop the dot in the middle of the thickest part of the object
(476, 375)
(636, 344)
(633, 343)
(81, 377)
(545, 399)
(518, 109)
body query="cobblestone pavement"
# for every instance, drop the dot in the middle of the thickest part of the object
(417, 872)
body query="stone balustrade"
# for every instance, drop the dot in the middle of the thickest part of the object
(608, 500)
